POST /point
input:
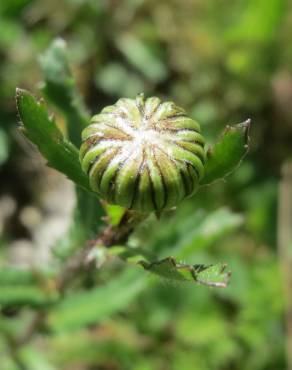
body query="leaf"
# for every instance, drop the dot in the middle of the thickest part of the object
(209, 229)
(141, 57)
(86, 221)
(34, 359)
(60, 89)
(115, 213)
(115, 79)
(225, 156)
(131, 255)
(25, 295)
(43, 132)
(258, 21)
(213, 227)
(92, 306)
(4, 146)
(210, 275)
(24, 287)
(17, 276)
(185, 234)
(168, 268)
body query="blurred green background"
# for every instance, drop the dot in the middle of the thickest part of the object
(223, 61)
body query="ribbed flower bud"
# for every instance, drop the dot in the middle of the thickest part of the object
(143, 154)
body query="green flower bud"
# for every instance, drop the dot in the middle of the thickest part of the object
(143, 154)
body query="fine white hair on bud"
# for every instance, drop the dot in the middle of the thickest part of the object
(143, 154)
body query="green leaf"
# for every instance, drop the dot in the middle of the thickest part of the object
(25, 287)
(4, 146)
(209, 229)
(43, 132)
(169, 268)
(141, 57)
(259, 21)
(13, 275)
(92, 306)
(86, 221)
(227, 153)
(210, 275)
(89, 211)
(34, 359)
(131, 255)
(213, 227)
(115, 213)
(185, 235)
(25, 295)
(115, 79)
(60, 89)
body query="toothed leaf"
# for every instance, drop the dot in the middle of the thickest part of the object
(60, 153)
(224, 156)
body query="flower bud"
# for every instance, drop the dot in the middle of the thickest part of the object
(143, 154)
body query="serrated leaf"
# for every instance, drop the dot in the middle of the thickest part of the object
(210, 275)
(227, 153)
(169, 268)
(209, 229)
(43, 132)
(60, 89)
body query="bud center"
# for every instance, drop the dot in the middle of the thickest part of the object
(146, 137)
